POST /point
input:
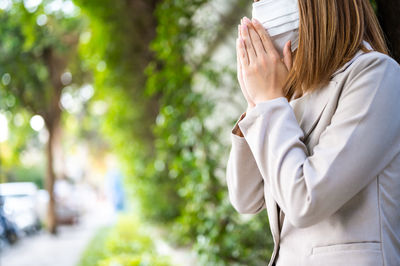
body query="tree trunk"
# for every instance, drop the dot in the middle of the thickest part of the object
(388, 15)
(56, 65)
(50, 180)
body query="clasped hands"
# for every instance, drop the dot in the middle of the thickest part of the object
(261, 71)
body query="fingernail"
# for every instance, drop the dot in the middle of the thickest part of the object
(247, 20)
(255, 21)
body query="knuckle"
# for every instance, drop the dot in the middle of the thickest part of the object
(253, 68)
(261, 64)
(275, 59)
(257, 26)
(263, 61)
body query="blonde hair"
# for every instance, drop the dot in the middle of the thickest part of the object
(330, 34)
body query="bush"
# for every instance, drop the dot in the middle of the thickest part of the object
(33, 174)
(125, 244)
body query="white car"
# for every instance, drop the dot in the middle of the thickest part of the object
(20, 205)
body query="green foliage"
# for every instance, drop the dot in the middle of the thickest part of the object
(33, 174)
(25, 50)
(154, 119)
(36, 48)
(190, 153)
(125, 244)
(23, 135)
(156, 123)
(373, 2)
(116, 50)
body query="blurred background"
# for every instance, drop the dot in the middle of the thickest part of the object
(115, 120)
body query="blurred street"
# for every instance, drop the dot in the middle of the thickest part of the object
(64, 249)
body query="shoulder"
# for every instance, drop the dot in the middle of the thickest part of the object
(370, 86)
(374, 60)
(371, 72)
(371, 65)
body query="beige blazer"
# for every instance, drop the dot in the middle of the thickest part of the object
(326, 166)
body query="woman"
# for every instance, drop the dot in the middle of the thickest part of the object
(319, 145)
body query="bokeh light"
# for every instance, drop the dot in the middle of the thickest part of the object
(37, 123)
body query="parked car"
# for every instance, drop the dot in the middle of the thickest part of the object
(68, 206)
(68, 203)
(8, 230)
(20, 205)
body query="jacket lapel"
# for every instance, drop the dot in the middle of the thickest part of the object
(308, 108)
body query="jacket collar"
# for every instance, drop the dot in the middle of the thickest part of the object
(347, 64)
(309, 107)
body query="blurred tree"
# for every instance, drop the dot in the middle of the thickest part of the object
(117, 51)
(156, 120)
(37, 47)
(189, 151)
(388, 13)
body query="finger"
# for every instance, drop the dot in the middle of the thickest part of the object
(238, 56)
(239, 62)
(265, 38)
(287, 55)
(240, 76)
(244, 59)
(248, 45)
(255, 38)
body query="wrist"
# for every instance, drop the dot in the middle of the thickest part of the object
(267, 97)
(249, 107)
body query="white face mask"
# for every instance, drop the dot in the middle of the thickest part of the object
(281, 19)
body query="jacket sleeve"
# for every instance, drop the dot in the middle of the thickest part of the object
(363, 137)
(244, 181)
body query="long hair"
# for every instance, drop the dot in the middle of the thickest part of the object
(330, 34)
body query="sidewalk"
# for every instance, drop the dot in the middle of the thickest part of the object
(64, 249)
